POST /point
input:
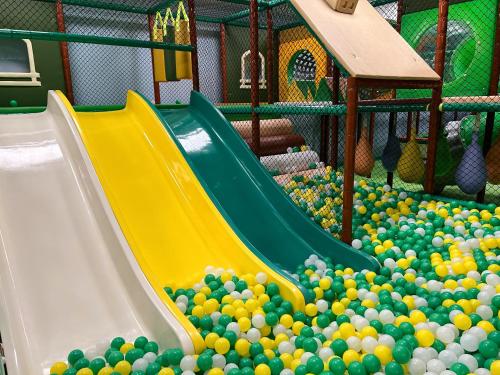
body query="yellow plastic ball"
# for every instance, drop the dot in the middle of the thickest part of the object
(417, 316)
(251, 305)
(495, 367)
(242, 347)
(349, 356)
(462, 322)
(338, 308)
(441, 270)
(166, 371)
(369, 331)
(199, 298)
(325, 283)
(351, 293)
(105, 371)
(241, 312)
(262, 369)
(347, 330)
(216, 371)
(487, 326)
(210, 339)
(425, 338)
(287, 359)
(245, 324)
(126, 347)
(87, 371)
(58, 368)
(286, 320)
(383, 353)
(222, 345)
(311, 309)
(123, 367)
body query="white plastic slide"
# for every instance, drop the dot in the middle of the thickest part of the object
(67, 277)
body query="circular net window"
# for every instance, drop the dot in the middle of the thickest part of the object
(303, 66)
(460, 48)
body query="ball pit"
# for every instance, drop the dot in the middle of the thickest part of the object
(432, 309)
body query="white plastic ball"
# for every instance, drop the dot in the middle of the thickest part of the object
(448, 357)
(469, 361)
(322, 305)
(436, 366)
(455, 348)
(386, 340)
(386, 316)
(258, 321)
(286, 347)
(469, 342)
(230, 286)
(150, 357)
(354, 343)
(140, 364)
(229, 367)
(253, 335)
(416, 366)
(325, 353)
(234, 327)
(218, 360)
(188, 363)
(368, 344)
(261, 277)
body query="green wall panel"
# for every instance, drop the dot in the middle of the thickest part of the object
(469, 51)
(237, 42)
(39, 16)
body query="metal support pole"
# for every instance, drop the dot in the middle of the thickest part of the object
(194, 43)
(350, 145)
(156, 84)
(63, 46)
(334, 149)
(270, 57)
(435, 114)
(223, 62)
(392, 129)
(254, 74)
(494, 79)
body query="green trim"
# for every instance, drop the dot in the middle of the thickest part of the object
(102, 5)
(235, 109)
(208, 19)
(377, 3)
(19, 110)
(470, 107)
(289, 109)
(93, 39)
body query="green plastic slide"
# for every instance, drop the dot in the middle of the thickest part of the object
(253, 203)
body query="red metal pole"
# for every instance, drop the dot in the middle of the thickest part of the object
(63, 46)
(254, 74)
(334, 149)
(223, 62)
(194, 43)
(270, 57)
(156, 84)
(494, 79)
(435, 114)
(350, 145)
(399, 17)
(392, 128)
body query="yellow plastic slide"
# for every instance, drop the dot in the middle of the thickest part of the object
(173, 228)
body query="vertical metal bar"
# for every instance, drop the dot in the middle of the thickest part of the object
(392, 129)
(223, 62)
(63, 47)
(270, 56)
(399, 17)
(334, 149)
(435, 114)
(323, 144)
(494, 79)
(156, 84)
(193, 37)
(254, 74)
(350, 144)
(409, 124)
(417, 124)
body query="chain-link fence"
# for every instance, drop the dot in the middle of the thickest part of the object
(302, 95)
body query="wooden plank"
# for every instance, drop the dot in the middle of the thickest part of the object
(364, 43)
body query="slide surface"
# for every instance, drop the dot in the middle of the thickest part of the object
(253, 202)
(67, 276)
(364, 43)
(171, 224)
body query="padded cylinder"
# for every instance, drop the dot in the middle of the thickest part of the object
(268, 128)
(277, 144)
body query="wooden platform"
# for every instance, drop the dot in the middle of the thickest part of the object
(364, 43)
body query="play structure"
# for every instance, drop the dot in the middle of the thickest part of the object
(249, 187)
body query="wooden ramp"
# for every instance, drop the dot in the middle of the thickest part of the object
(364, 43)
